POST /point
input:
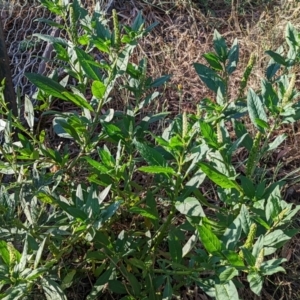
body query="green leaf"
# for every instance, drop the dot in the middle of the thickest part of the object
(232, 234)
(143, 212)
(68, 280)
(270, 96)
(277, 142)
(255, 108)
(271, 70)
(245, 219)
(39, 253)
(226, 291)
(218, 178)
(220, 46)
(86, 62)
(47, 85)
(52, 290)
(256, 282)
(175, 248)
(209, 134)
(65, 130)
(134, 285)
(77, 100)
(190, 206)
(233, 57)
(209, 240)
(228, 274)
(157, 170)
(117, 287)
(292, 36)
(4, 253)
(29, 112)
(249, 257)
(213, 60)
(98, 89)
(150, 155)
(233, 258)
(211, 79)
(168, 291)
(277, 238)
(100, 284)
(277, 57)
(51, 39)
(160, 81)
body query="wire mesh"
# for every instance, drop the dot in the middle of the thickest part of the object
(26, 52)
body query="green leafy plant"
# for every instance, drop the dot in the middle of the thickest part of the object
(140, 212)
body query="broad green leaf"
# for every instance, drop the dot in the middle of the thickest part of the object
(248, 187)
(277, 142)
(209, 134)
(213, 60)
(217, 177)
(29, 112)
(233, 57)
(51, 39)
(47, 85)
(210, 77)
(65, 130)
(98, 166)
(157, 170)
(228, 274)
(175, 248)
(277, 239)
(220, 46)
(271, 70)
(4, 253)
(85, 60)
(270, 96)
(255, 108)
(190, 244)
(209, 240)
(110, 210)
(160, 81)
(98, 89)
(52, 290)
(150, 155)
(245, 219)
(191, 207)
(277, 57)
(272, 266)
(143, 212)
(168, 290)
(68, 280)
(226, 291)
(39, 253)
(256, 282)
(249, 257)
(100, 284)
(233, 258)
(77, 100)
(134, 285)
(16, 292)
(292, 36)
(232, 234)
(117, 287)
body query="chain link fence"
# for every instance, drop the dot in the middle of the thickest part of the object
(27, 53)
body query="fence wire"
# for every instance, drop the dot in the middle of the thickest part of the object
(26, 52)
